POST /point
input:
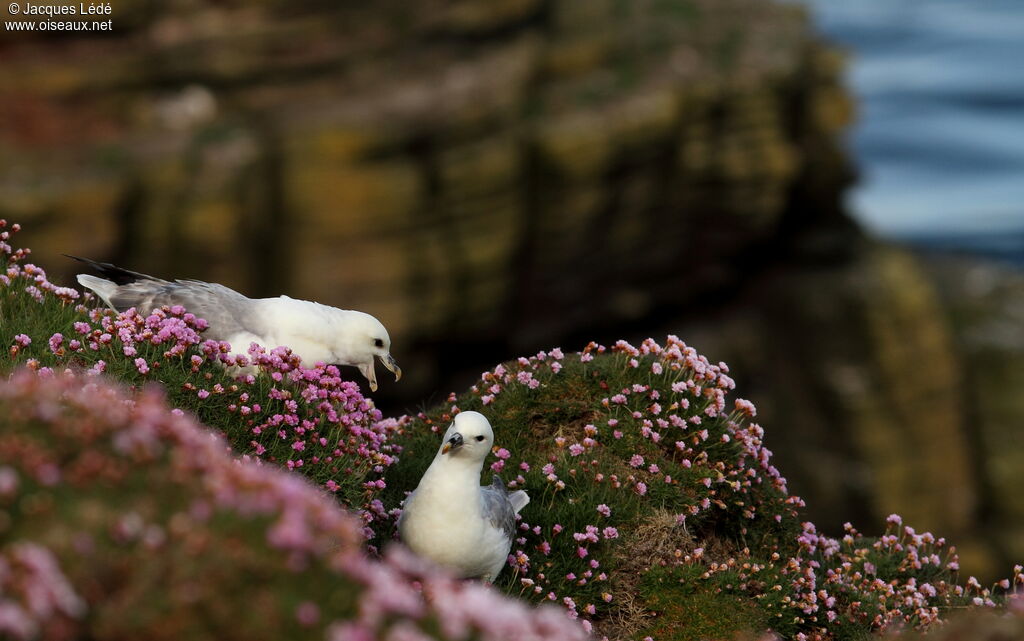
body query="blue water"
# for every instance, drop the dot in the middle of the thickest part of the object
(940, 136)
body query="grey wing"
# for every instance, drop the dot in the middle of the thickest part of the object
(497, 508)
(227, 311)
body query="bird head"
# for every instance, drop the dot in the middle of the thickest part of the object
(365, 340)
(468, 437)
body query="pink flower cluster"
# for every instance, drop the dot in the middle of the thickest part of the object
(835, 580)
(830, 585)
(310, 420)
(32, 277)
(109, 334)
(33, 590)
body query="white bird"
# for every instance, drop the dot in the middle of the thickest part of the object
(314, 332)
(450, 518)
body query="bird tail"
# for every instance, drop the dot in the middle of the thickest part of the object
(519, 499)
(103, 287)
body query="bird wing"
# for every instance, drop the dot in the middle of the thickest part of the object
(497, 507)
(519, 499)
(228, 312)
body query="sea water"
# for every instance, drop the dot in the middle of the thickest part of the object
(939, 141)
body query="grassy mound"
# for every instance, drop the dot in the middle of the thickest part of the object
(656, 511)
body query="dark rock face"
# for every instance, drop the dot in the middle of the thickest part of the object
(985, 304)
(492, 178)
(855, 367)
(485, 177)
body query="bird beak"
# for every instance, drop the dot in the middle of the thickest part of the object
(454, 443)
(366, 369)
(389, 362)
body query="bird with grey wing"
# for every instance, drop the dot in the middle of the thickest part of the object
(450, 518)
(314, 332)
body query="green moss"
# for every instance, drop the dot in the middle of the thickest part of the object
(686, 608)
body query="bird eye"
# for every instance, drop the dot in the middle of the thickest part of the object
(377, 342)
(480, 438)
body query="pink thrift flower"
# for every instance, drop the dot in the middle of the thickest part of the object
(604, 510)
(746, 407)
(307, 614)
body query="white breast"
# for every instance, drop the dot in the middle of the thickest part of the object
(444, 522)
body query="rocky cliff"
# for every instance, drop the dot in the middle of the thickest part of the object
(474, 173)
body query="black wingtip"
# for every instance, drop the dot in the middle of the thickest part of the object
(118, 275)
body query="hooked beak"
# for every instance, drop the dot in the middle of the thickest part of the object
(366, 369)
(389, 362)
(454, 443)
